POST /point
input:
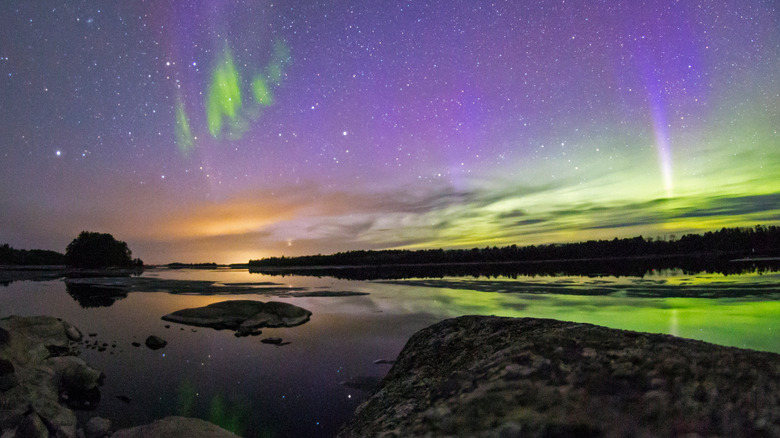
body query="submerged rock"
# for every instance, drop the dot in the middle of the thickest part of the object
(242, 315)
(176, 427)
(489, 377)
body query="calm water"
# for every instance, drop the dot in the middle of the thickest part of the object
(256, 389)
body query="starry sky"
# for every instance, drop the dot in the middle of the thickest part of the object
(215, 130)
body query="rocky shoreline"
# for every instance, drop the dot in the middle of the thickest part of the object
(468, 376)
(487, 376)
(42, 380)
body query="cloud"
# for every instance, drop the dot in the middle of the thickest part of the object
(309, 218)
(734, 205)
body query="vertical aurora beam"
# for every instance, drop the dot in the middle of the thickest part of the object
(662, 145)
(262, 93)
(184, 138)
(281, 57)
(223, 99)
(652, 80)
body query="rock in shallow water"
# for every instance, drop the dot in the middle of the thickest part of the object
(155, 342)
(243, 315)
(72, 332)
(490, 377)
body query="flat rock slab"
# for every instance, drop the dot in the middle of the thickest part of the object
(487, 376)
(242, 315)
(176, 427)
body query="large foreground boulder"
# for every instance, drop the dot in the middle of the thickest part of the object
(175, 427)
(39, 372)
(490, 377)
(242, 315)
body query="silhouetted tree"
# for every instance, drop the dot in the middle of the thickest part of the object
(99, 250)
(11, 256)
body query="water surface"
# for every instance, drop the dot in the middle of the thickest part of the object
(298, 389)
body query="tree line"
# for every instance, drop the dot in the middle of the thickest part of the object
(758, 241)
(88, 250)
(11, 256)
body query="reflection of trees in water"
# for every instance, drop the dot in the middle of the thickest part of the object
(94, 296)
(638, 267)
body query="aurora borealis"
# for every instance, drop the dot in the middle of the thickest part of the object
(213, 130)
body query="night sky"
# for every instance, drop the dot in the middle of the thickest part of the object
(215, 130)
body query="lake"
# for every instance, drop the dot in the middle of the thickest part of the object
(312, 385)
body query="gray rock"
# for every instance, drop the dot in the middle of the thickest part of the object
(175, 427)
(242, 315)
(73, 333)
(32, 426)
(74, 375)
(502, 377)
(155, 342)
(33, 338)
(8, 377)
(40, 355)
(97, 427)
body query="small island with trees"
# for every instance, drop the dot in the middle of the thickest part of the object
(89, 254)
(99, 250)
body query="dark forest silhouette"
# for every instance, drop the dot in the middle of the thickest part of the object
(727, 243)
(29, 257)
